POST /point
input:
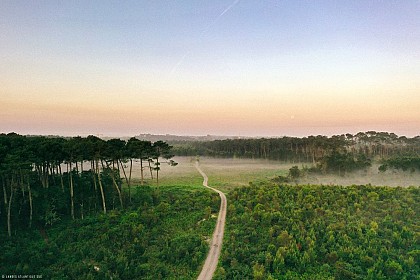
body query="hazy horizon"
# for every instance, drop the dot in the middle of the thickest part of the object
(101, 135)
(240, 67)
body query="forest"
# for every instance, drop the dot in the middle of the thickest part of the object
(46, 179)
(71, 208)
(164, 236)
(321, 232)
(312, 149)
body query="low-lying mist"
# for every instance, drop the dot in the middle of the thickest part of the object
(239, 172)
(372, 175)
(392, 178)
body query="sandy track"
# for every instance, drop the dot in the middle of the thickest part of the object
(212, 259)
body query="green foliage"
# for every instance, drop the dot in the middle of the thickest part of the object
(281, 179)
(163, 236)
(43, 180)
(294, 172)
(407, 163)
(321, 232)
(370, 144)
(342, 162)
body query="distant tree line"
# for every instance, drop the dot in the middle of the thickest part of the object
(44, 179)
(405, 163)
(353, 149)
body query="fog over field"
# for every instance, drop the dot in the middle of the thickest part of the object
(392, 178)
(239, 172)
(236, 172)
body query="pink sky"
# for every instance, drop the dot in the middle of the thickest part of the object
(260, 68)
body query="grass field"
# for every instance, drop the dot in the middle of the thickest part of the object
(183, 174)
(229, 173)
(224, 174)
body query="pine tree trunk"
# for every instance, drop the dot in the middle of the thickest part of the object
(30, 203)
(129, 179)
(93, 175)
(114, 182)
(81, 208)
(4, 195)
(125, 174)
(92, 171)
(157, 172)
(118, 191)
(101, 187)
(71, 192)
(141, 172)
(46, 173)
(4, 191)
(9, 210)
(61, 178)
(52, 173)
(150, 168)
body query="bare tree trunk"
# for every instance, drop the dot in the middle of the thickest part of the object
(42, 172)
(4, 191)
(129, 179)
(93, 174)
(22, 184)
(47, 181)
(114, 182)
(30, 203)
(81, 207)
(118, 191)
(131, 169)
(61, 178)
(52, 173)
(157, 172)
(101, 187)
(45, 175)
(92, 171)
(4, 195)
(126, 179)
(150, 168)
(9, 210)
(125, 175)
(141, 172)
(71, 192)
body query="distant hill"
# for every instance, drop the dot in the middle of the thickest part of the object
(150, 137)
(177, 138)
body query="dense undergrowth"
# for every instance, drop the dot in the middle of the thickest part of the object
(163, 237)
(321, 232)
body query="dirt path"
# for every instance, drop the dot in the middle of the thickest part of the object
(216, 242)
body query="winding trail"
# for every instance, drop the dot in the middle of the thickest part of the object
(212, 259)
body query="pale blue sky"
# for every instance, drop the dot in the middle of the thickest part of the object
(262, 68)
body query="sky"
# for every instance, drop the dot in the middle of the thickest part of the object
(240, 67)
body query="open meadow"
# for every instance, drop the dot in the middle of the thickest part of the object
(224, 173)
(229, 173)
